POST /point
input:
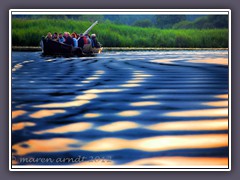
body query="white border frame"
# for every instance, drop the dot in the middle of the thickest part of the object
(117, 12)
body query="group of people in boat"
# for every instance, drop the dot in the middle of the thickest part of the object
(74, 39)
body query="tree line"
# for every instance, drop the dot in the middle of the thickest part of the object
(157, 21)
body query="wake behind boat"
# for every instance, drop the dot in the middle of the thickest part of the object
(71, 45)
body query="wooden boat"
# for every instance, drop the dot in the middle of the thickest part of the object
(54, 48)
(51, 47)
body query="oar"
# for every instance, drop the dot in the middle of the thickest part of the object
(89, 29)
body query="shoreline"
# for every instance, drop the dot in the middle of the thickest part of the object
(37, 48)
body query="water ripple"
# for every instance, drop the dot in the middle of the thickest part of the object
(128, 108)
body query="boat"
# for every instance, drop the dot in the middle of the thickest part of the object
(54, 48)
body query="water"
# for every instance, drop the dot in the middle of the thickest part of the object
(121, 108)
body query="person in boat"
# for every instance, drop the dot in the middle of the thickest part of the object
(89, 41)
(75, 42)
(87, 47)
(55, 36)
(49, 36)
(95, 43)
(81, 41)
(61, 39)
(68, 39)
(76, 35)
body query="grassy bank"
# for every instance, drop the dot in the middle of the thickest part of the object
(29, 32)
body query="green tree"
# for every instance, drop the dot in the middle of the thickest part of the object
(211, 21)
(143, 23)
(167, 21)
(183, 25)
(218, 21)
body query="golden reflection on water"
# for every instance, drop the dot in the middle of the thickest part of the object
(64, 104)
(50, 60)
(129, 113)
(222, 96)
(45, 145)
(93, 77)
(135, 81)
(199, 125)
(20, 106)
(182, 161)
(142, 75)
(149, 97)
(74, 127)
(165, 61)
(46, 113)
(91, 115)
(20, 65)
(21, 125)
(79, 101)
(118, 126)
(220, 61)
(16, 67)
(18, 113)
(130, 85)
(96, 91)
(144, 103)
(100, 72)
(150, 144)
(200, 113)
(87, 96)
(88, 80)
(79, 85)
(159, 143)
(217, 103)
(85, 82)
(138, 77)
(106, 144)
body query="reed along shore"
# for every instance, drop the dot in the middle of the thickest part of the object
(28, 32)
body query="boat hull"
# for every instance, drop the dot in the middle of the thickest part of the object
(53, 48)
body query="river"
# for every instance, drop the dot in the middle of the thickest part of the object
(160, 108)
